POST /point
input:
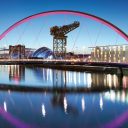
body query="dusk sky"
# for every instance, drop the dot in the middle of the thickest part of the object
(114, 11)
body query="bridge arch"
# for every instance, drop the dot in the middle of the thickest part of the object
(82, 14)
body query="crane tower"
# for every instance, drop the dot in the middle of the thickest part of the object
(60, 38)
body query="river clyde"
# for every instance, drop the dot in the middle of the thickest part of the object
(62, 109)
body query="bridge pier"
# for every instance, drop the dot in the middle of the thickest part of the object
(120, 77)
(120, 71)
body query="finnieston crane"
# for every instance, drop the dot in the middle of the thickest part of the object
(60, 38)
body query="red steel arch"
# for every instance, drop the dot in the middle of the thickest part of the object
(86, 15)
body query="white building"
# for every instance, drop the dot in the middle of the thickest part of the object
(110, 53)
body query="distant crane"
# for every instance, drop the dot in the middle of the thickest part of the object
(60, 38)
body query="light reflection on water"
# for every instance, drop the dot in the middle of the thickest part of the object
(37, 76)
(55, 110)
(62, 110)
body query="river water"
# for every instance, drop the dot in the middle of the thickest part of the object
(62, 110)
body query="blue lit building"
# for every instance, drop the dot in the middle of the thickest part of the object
(43, 52)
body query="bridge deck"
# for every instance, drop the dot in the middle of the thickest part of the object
(69, 65)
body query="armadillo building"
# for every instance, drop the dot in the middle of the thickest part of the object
(42, 52)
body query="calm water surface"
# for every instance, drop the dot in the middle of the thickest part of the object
(62, 110)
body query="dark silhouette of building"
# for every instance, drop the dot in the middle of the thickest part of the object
(17, 51)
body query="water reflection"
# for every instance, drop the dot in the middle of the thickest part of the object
(43, 110)
(83, 104)
(16, 73)
(38, 76)
(99, 79)
(101, 102)
(117, 96)
(59, 78)
(42, 74)
(60, 109)
(60, 100)
(125, 81)
(5, 106)
(65, 79)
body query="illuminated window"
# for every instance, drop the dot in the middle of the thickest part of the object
(123, 58)
(123, 47)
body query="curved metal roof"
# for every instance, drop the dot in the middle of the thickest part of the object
(42, 52)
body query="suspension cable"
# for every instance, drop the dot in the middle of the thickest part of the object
(77, 36)
(38, 34)
(23, 32)
(88, 34)
(116, 40)
(98, 34)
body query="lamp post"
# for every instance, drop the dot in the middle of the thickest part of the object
(83, 52)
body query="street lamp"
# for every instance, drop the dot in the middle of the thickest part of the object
(83, 51)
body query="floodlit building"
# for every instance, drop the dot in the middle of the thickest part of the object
(110, 53)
